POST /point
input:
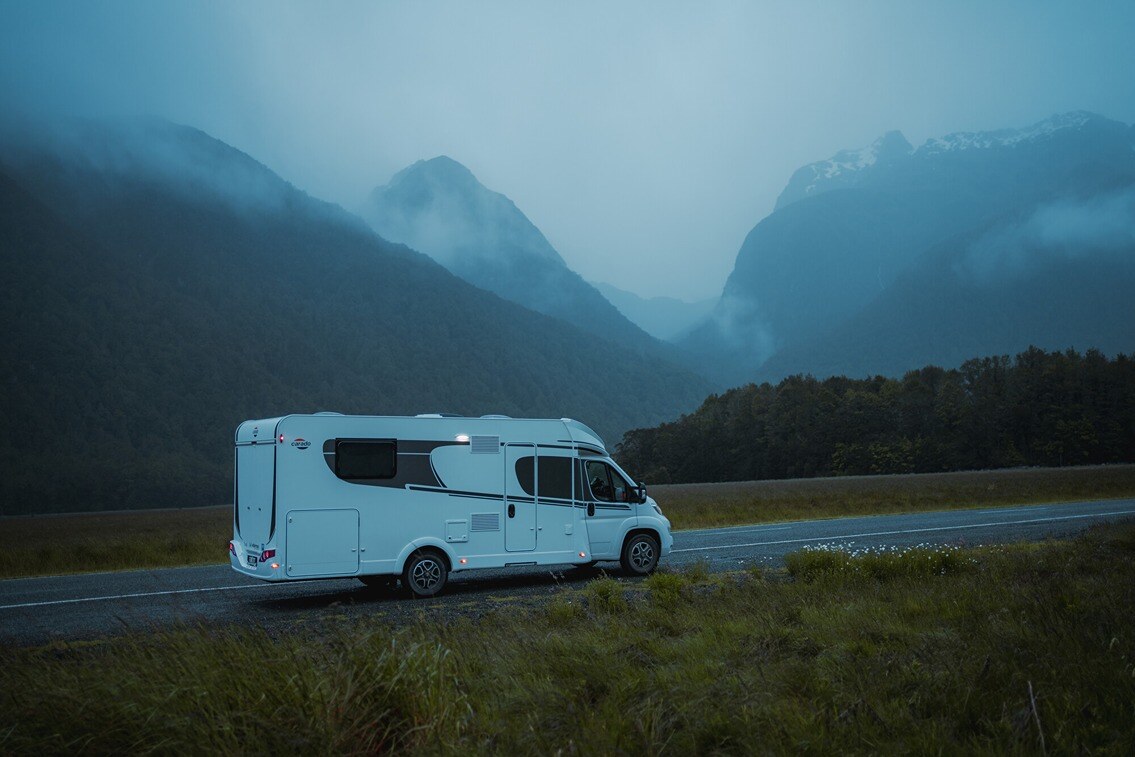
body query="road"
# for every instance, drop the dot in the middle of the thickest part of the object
(35, 611)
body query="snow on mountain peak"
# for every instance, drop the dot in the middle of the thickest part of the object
(841, 167)
(983, 140)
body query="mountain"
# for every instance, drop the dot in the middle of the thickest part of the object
(160, 286)
(663, 318)
(438, 207)
(863, 244)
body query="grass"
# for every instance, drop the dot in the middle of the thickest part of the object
(727, 504)
(1022, 649)
(84, 542)
(45, 545)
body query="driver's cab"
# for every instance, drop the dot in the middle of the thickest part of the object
(616, 506)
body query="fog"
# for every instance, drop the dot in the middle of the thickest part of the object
(643, 139)
(1100, 227)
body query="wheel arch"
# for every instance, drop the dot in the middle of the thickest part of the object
(632, 532)
(418, 545)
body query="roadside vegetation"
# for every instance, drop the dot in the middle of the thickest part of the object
(1020, 649)
(55, 544)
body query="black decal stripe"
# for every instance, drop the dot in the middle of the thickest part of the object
(476, 496)
(453, 492)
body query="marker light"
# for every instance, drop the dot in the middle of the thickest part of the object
(581, 554)
(275, 566)
(463, 438)
(232, 548)
(281, 438)
(463, 561)
(267, 555)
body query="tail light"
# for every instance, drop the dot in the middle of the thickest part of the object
(232, 548)
(267, 555)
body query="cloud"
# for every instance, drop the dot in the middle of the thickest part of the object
(1100, 227)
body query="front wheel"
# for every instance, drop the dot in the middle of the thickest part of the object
(425, 574)
(640, 555)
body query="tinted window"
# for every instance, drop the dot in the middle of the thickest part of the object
(525, 474)
(606, 483)
(599, 478)
(365, 459)
(555, 477)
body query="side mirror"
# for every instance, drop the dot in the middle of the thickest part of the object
(641, 491)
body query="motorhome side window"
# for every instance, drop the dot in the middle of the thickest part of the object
(357, 459)
(554, 480)
(606, 484)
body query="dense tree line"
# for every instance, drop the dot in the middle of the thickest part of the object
(1040, 408)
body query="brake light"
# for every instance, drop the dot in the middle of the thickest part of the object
(232, 548)
(267, 555)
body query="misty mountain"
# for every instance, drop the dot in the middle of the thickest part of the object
(440, 208)
(160, 286)
(876, 250)
(665, 318)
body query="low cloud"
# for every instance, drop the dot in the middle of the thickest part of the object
(1103, 226)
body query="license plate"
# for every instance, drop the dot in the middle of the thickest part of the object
(252, 561)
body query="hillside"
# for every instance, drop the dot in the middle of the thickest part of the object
(866, 251)
(662, 317)
(439, 207)
(159, 287)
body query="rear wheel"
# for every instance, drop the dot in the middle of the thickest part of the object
(425, 573)
(640, 555)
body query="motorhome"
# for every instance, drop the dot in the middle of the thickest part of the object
(417, 498)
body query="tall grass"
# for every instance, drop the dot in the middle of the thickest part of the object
(990, 650)
(84, 542)
(237, 691)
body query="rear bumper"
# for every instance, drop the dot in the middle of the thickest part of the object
(249, 564)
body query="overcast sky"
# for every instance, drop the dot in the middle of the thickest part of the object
(644, 139)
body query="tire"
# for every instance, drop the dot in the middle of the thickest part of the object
(640, 555)
(425, 574)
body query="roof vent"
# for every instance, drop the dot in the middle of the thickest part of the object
(497, 417)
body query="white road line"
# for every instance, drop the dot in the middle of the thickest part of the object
(734, 530)
(131, 596)
(905, 531)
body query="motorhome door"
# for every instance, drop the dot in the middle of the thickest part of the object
(520, 497)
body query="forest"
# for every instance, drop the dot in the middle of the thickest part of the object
(1039, 408)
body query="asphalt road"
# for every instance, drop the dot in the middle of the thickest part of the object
(36, 611)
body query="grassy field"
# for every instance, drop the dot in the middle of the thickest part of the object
(163, 538)
(1023, 649)
(727, 504)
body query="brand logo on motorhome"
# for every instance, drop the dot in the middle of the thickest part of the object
(301, 444)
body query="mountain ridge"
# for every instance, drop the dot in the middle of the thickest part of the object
(439, 207)
(144, 321)
(848, 229)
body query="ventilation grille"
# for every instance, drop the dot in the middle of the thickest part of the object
(485, 445)
(485, 522)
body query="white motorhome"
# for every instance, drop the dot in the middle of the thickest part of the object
(378, 498)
